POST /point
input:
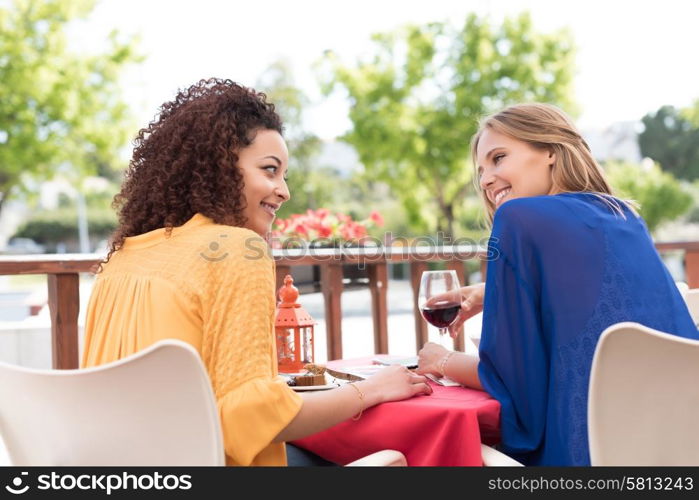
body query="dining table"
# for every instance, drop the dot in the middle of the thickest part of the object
(443, 429)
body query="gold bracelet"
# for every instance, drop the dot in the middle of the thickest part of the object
(443, 363)
(361, 401)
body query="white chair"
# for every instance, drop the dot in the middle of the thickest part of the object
(643, 406)
(683, 287)
(383, 458)
(494, 458)
(154, 408)
(691, 298)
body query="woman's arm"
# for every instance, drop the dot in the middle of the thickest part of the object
(257, 408)
(325, 409)
(460, 367)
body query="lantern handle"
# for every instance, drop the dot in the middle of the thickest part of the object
(288, 293)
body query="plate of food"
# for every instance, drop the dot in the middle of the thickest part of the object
(313, 378)
(302, 388)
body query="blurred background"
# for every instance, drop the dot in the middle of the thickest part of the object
(380, 99)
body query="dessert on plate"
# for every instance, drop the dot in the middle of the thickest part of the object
(315, 375)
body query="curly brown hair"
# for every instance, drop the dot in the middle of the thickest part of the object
(185, 161)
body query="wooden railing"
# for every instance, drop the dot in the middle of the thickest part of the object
(64, 300)
(376, 261)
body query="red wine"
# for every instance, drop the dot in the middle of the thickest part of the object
(441, 314)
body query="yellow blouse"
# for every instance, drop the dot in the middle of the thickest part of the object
(212, 286)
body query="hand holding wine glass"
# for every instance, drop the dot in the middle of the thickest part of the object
(439, 299)
(472, 297)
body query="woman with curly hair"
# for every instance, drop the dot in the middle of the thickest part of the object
(189, 261)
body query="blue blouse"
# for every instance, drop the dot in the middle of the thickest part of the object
(562, 269)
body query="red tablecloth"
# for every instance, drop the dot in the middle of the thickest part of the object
(443, 429)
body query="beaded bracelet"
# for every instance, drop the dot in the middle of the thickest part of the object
(361, 401)
(443, 363)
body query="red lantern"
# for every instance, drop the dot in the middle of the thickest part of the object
(293, 329)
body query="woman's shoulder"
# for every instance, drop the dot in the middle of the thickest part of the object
(534, 210)
(540, 220)
(205, 248)
(214, 239)
(560, 234)
(217, 255)
(233, 233)
(586, 209)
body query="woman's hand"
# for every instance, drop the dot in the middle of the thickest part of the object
(471, 304)
(324, 409)
(429, 357)
(394, 383)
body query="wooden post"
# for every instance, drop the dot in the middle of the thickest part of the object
(378, 285)
(421, 334)
(331, 286)
(691, 268)
(64, 305)
(458, 266)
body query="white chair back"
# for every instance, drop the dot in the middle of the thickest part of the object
(643, 406)
(154, 408)
(691, 298)
(683, 287)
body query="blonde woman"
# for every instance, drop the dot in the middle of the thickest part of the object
(570, 259)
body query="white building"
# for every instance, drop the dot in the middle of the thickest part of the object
(618, 141)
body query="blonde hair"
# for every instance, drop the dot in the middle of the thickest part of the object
(544, 126)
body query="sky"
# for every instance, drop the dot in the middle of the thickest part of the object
(633, 56)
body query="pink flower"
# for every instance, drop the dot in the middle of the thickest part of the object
(300, 228)
(346, 232)
(325, 231)
(359, 230)
(376, 218)
(322, 224)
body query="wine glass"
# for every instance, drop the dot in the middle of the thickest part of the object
(439, 299)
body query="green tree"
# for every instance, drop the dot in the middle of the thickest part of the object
(51, 228)
(670, 138)
(691, 113)
(59, 110)
(416, 101)
(661, 197)
(313, 184)
(307, 183)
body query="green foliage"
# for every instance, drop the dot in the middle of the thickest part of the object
(661, 196)
(57, 226)
(472, 221)
(307, 183)
(59, 110)
(60, 226)
(691, 113)
(416, 102)
(99, 193)
(693, 215)
(312, 184)
(671, 137)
